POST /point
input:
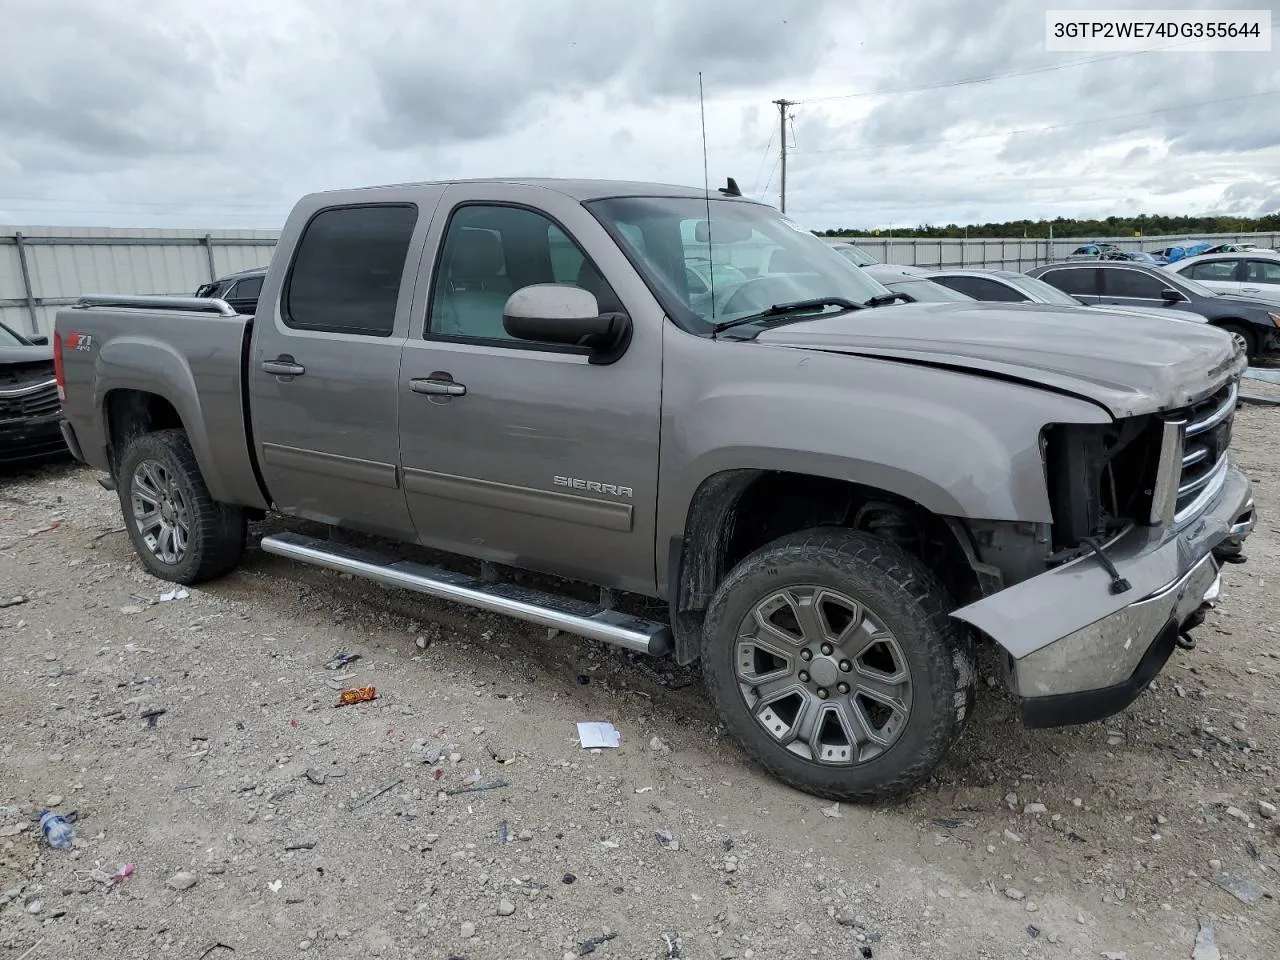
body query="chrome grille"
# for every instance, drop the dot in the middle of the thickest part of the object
(1204, 453)
(33, 400)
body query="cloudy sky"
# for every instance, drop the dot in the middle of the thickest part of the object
(220, 113)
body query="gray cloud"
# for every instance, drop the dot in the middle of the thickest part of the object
(221, 114)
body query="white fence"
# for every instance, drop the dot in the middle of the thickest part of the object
(42, 268)
(1019, 254)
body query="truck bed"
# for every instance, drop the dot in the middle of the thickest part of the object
(169, 361)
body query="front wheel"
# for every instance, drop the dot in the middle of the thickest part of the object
(1244, 337)
(833, 661)
(180, 532)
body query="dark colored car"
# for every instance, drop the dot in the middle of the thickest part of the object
(1255, 324)
(30, 412)
(240, 289)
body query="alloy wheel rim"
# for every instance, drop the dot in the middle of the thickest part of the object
(823, 676)
(160, 511)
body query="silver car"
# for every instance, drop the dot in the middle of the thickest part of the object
(1012, 287)
(914, 284)
(858, 256)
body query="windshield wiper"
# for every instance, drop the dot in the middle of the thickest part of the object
(784, 309)
(884, 299)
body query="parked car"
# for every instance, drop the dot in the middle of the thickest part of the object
(833, 499)
(1239, 247)
(852, 252)
(238, 289)
(1254, 324)
(912, 284)
(1254, 274)
(1010, 287)
(1179, 251)
(1097, 251)
(1139, 256)
(30, 413)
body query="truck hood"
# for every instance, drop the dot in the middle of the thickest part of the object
(1130, 367)
(25, 354)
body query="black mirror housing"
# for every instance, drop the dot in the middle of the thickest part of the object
(1170, 295)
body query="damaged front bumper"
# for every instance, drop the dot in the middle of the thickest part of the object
(1077, 652)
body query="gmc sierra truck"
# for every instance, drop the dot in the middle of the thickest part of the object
(681, 394)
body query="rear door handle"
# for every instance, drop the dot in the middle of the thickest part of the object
(283, 367)
(439, 387)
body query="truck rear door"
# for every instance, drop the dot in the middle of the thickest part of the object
(518, 452)
(323, 367)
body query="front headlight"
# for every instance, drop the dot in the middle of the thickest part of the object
(1275, 318)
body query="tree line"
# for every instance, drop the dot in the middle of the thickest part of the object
(1139, 226)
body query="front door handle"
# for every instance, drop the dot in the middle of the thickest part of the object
(438, 386)
(283, 367)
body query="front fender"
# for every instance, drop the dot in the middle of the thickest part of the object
(958, 444)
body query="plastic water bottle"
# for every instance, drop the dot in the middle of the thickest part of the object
(56, 830)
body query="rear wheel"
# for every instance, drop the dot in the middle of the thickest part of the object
(1243, 336)
(834, 663)
(180, 532)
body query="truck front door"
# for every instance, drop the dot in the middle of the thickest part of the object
(326, 354)
(524, 453)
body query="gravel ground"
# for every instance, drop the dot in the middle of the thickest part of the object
(248, 806)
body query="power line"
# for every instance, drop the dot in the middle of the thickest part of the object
(755, 184)
(1059, 126)
(1003, 76)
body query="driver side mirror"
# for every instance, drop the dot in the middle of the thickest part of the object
(41, 341)
(1170, 295)
(564, 314)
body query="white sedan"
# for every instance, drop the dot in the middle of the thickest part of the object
(1253, 274)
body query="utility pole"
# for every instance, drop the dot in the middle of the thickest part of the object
(782, 138)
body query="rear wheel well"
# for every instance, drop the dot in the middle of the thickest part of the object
(131, 414)
(735, 513)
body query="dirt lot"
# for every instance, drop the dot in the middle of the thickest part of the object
(239, 852)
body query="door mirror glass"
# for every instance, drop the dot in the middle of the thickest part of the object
(566, 314)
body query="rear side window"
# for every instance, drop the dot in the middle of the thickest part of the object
(1078, 283)
(1262, 271)
(247, 289)
(1213, 270)
(346, 274)
(981, 289)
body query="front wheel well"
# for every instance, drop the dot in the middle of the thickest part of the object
(134, 413)
(737, 512)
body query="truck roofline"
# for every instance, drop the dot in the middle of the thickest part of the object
(579, 189)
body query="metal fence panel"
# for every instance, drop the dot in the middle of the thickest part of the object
(63, 263)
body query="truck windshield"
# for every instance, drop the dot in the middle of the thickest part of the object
(742, 261)
(7, 338)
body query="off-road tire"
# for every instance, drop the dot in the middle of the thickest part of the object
(216, 536)
(907, 598)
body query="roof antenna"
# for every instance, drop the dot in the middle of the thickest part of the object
(731, 189)
(706, 189)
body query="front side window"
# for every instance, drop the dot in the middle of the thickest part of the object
(979, 288)
(747, 255)
(346, 274)
(489, 253)
(1262, 271)
(1133, 285)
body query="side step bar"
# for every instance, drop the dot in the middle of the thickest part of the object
(510, 599)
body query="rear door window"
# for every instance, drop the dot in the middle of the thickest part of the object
(1262, 271)
(981, 288)
(1077, 282)
(346, 274)
(1213, 270)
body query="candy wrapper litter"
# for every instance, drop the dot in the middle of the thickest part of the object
(356, 695)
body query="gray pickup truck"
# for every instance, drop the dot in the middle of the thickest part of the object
(681, 394)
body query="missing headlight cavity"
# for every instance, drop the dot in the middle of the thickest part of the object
(1100, 476)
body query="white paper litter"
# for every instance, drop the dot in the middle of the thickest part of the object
(178, 594)
(594, 735)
